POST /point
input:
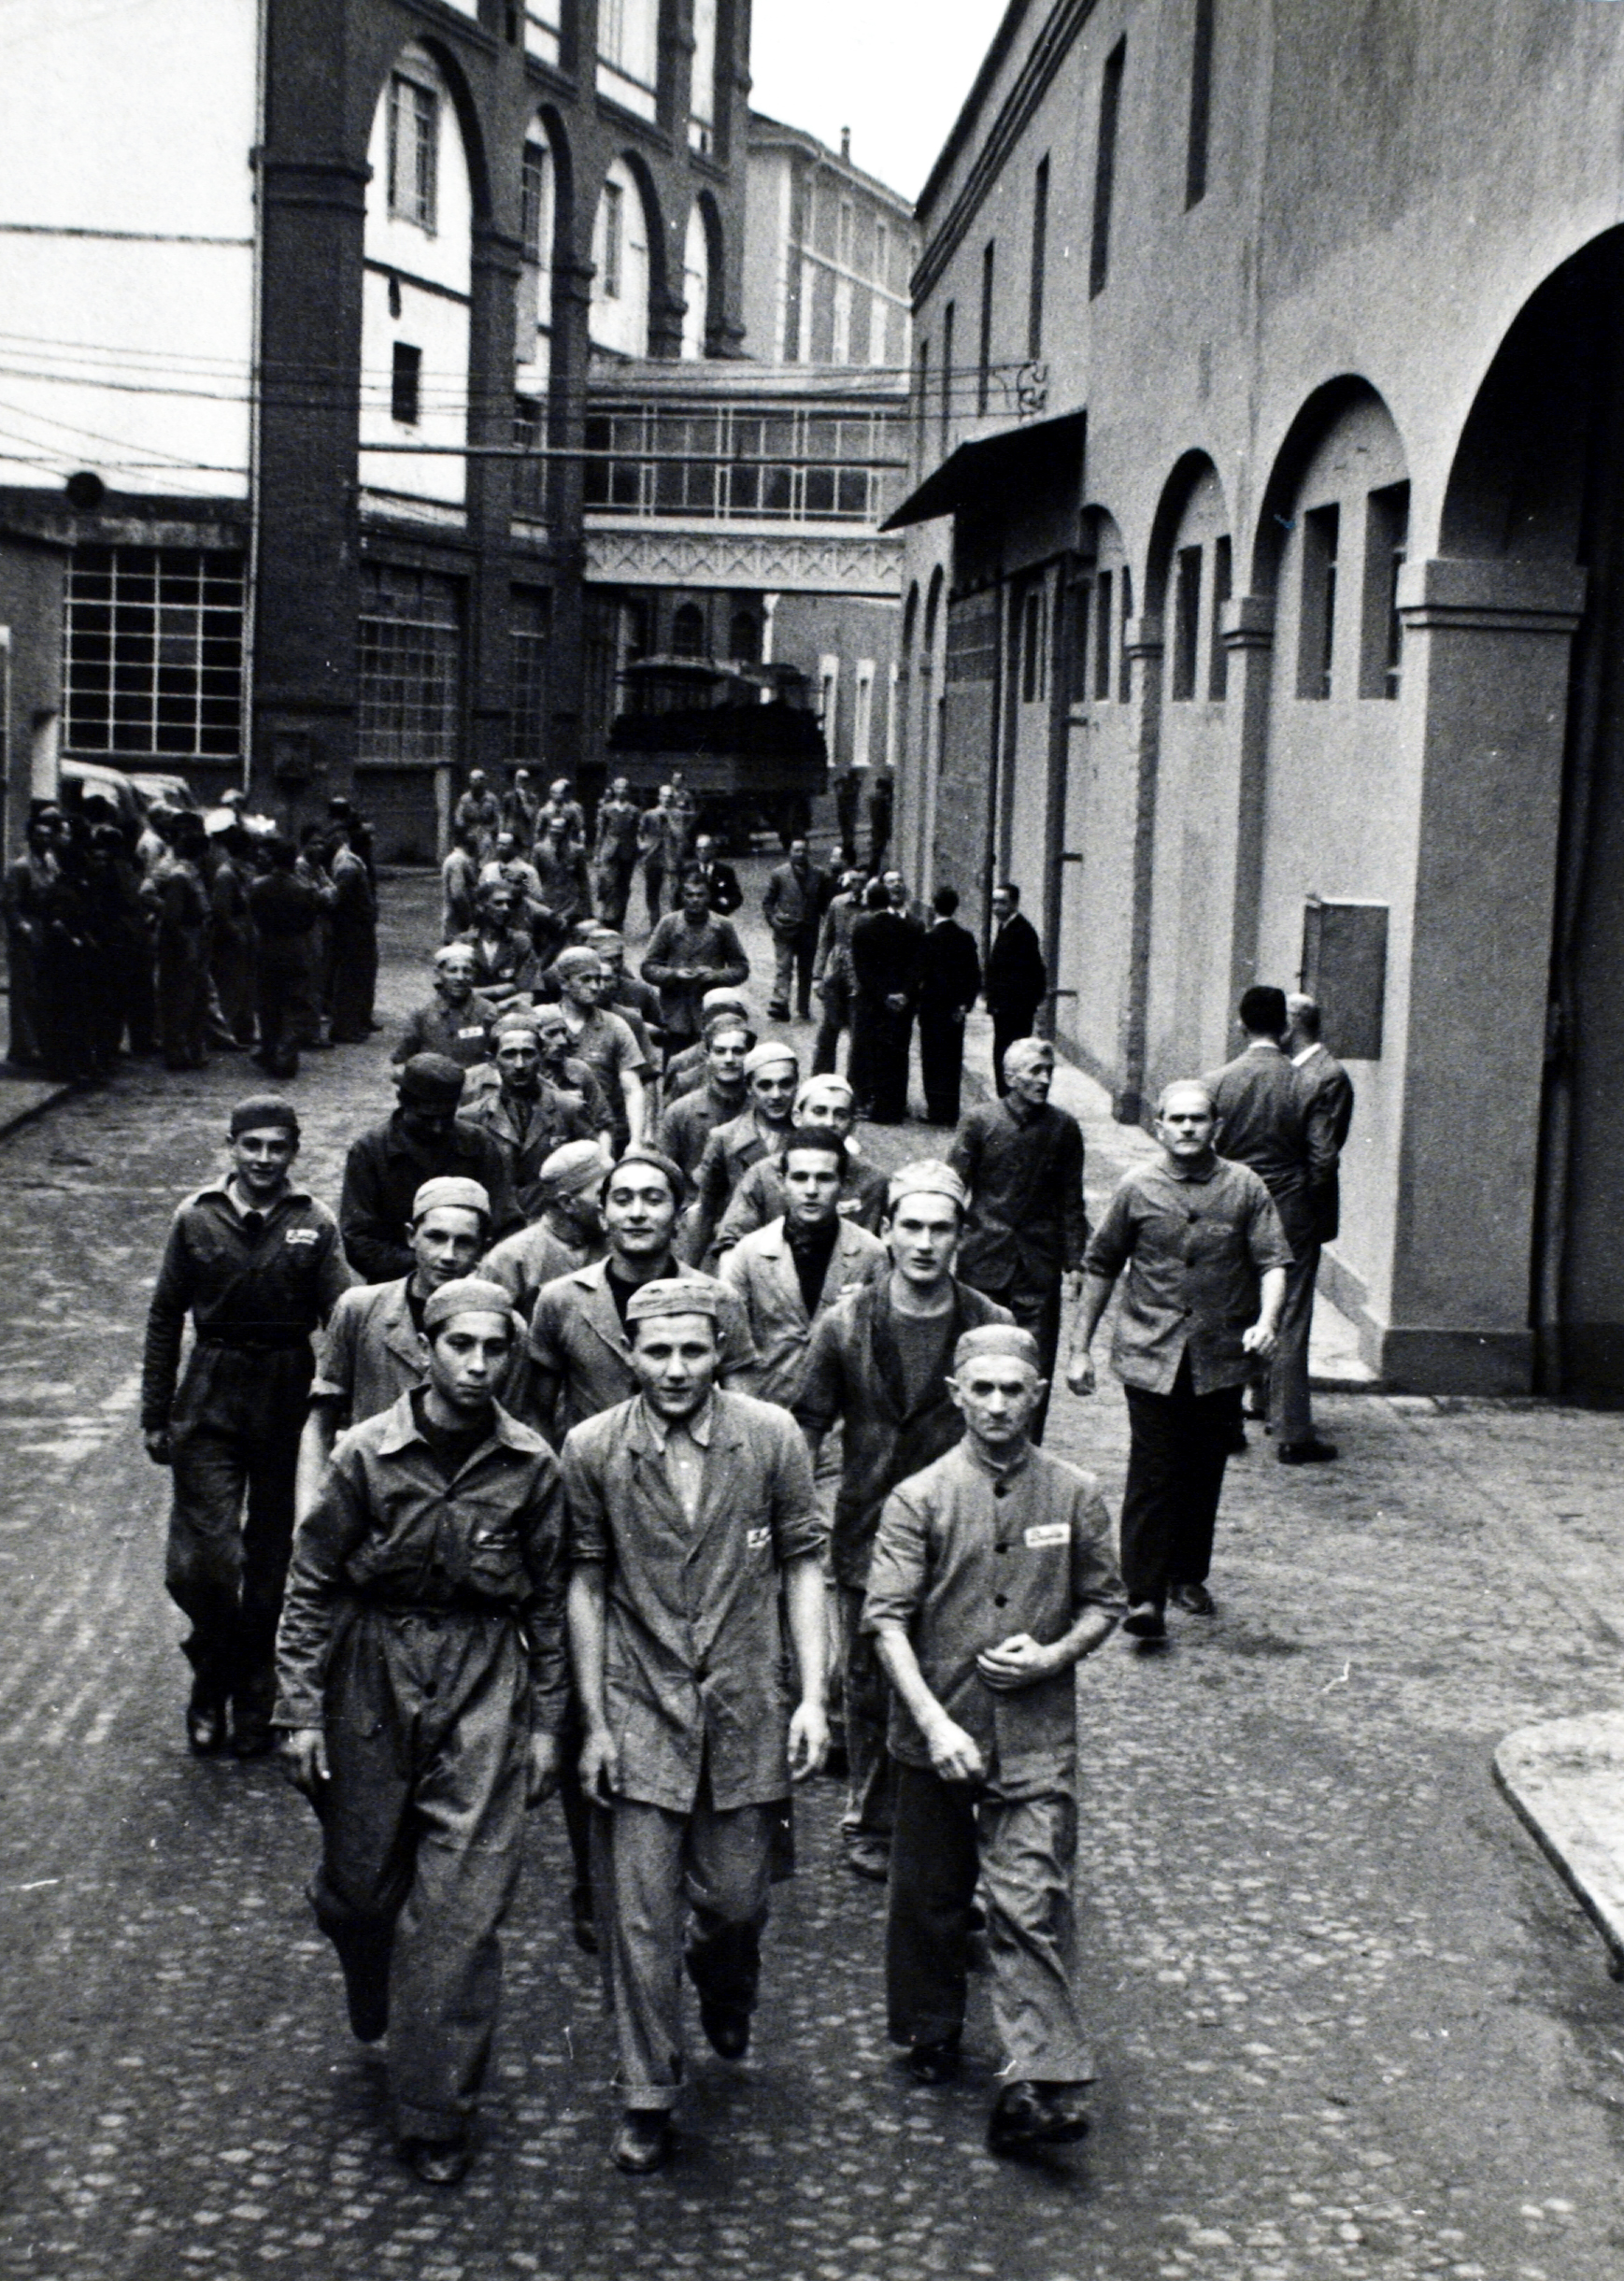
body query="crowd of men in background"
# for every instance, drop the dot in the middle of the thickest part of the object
(644, 1408)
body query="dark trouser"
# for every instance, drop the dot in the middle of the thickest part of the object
(1291, 1410)
(878, 1067)
(792, 957)
(866, 1705)
(23, 1047)
(232, 964)
(835, 1016)
(648, 1863)
(1008, 1023)
(282, 1005)
(614, 888)
(654, 889)
(422, 1825)
(1036, 1307)
(1178, 1446)
(183, 999)
(352, 983)
(1022, 1850)
(941, 1066)
(234, 1445)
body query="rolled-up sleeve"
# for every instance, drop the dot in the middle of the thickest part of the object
(586, 1517)
(1111, 1245)
(797, 1524)
(334, 1379)
(897, 1568)
(1095, 1579)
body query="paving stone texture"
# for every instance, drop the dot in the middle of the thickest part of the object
(1350, 2023)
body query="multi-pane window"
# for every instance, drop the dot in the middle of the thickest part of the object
(530, 626)
(882, 254)
(410, 659)
(742, 464)
(535, 202)
(1186, 623)
(1124, 662)
(414, 138)
(1316, 621)
(629, 54)
(947, 316)
(702, 86)
(152, 653)
(405, 384)
(544, 30)
(529, 474)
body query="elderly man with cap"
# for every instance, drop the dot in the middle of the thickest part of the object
(604, 1040)
(1021, 1160)
(772, 1075)
(527, 1116)
(992, 1578)
(880, 1365)
(422, 1685)
(695, 1541)
(453, 1022)
(425, 1139)
(257, 1263)
(1206, 1259)
(788, 1274)
(824, 1104)
(690, 1120)
(569, 1232)
(688, 1070)
(373, 1348)
(692, 951)
(615, 850)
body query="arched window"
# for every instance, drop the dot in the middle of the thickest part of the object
(744, 641)
(619, 320)
(532, 342)
(687, 631)
(695, 284)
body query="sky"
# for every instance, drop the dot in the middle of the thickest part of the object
(893, 71)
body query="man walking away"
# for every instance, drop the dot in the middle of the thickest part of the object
(949, 985)
(882, 798)
(1330, 1093)
(425, 1139)
(285, 909)
(1270, 1119)
(694, 1543)
(1017, 980)
(885, 961)
(256, 1262)
(1205, 1258)
(421, 1700)
(992, 1579)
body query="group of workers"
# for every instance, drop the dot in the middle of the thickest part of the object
(630, 1440)
(190, 935)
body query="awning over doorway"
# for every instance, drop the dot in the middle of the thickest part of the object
(1045, 453)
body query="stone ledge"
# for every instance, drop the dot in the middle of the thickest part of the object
(1565, 1781)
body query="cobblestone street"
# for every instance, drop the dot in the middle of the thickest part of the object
(1349, 2022)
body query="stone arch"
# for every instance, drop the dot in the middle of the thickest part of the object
(630, 269)
(1316, 417)
(470, 125)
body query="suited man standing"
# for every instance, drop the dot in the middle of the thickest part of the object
(1016, 978)
(1269, 1118)
(949, 985)
(1328, 1082)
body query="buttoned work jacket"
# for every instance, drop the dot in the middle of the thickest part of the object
(370, 1354)
(761, 1197)
(967, 1558)
(576, 1337)
(1026, 1224)
(694, 1675)
(761, 1272)
(854, 1372)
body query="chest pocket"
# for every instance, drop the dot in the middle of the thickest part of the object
(487, 1541)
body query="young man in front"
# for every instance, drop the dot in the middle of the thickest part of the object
(992, 1578)
(422, 1685)
(694, 1534)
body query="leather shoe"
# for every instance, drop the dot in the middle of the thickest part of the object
(934, 2062)
(1144, 1620)
(643, 2142)
(367, 2000)
(727, 2027)
(251, 1738)
(1026, 2115)
(868, 1857)
(1306, 1453)
(206, 1727)
(581, 1923)
(1194, 1598)
(437, 2162)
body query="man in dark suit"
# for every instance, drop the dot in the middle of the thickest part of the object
(1267, 1118)
(1328, 1084)
(885, 962)
(720, 878)
(949, 985)
(1016, 978)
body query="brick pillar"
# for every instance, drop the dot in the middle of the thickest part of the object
(497, 260)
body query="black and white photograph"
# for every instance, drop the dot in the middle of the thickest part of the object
(813, 887)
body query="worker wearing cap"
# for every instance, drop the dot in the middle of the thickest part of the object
(687, 1069)
(373, 1348)
(689, 1123)
(825, 1104)
(772, 1078)
(257, 1262)
(603, 1041)
(528, 1117)
(453, 1022)
(880, 1365)
(569, 1232)
(636, 1002)
(579, 1337)
(991, 1577)
(425, 1139)
(421, 1685)
(1021, 1159)
(692, 1533)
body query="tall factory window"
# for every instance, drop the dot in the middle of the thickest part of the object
(152, 653)
(687, 631)
(1317, 623)
(411, 645)
(702, 86)
(1199, 105)
(414, 138)
(1124, 663)
(1218, 672)
(530, 626)
(544, 30)
(1039, 258)
(947, 315)
(1104, 636)
(1382, 635)
(1105, 166)
(984, 356)
(629, 54)
(405, 384)
(1186, 623)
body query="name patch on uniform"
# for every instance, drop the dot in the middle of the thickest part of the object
(302, 1235)
(757, 1539)
(1050, 1532)
(478, 1031)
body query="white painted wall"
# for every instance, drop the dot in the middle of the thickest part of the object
(101, 130)
(619, 320)
(434, 322)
